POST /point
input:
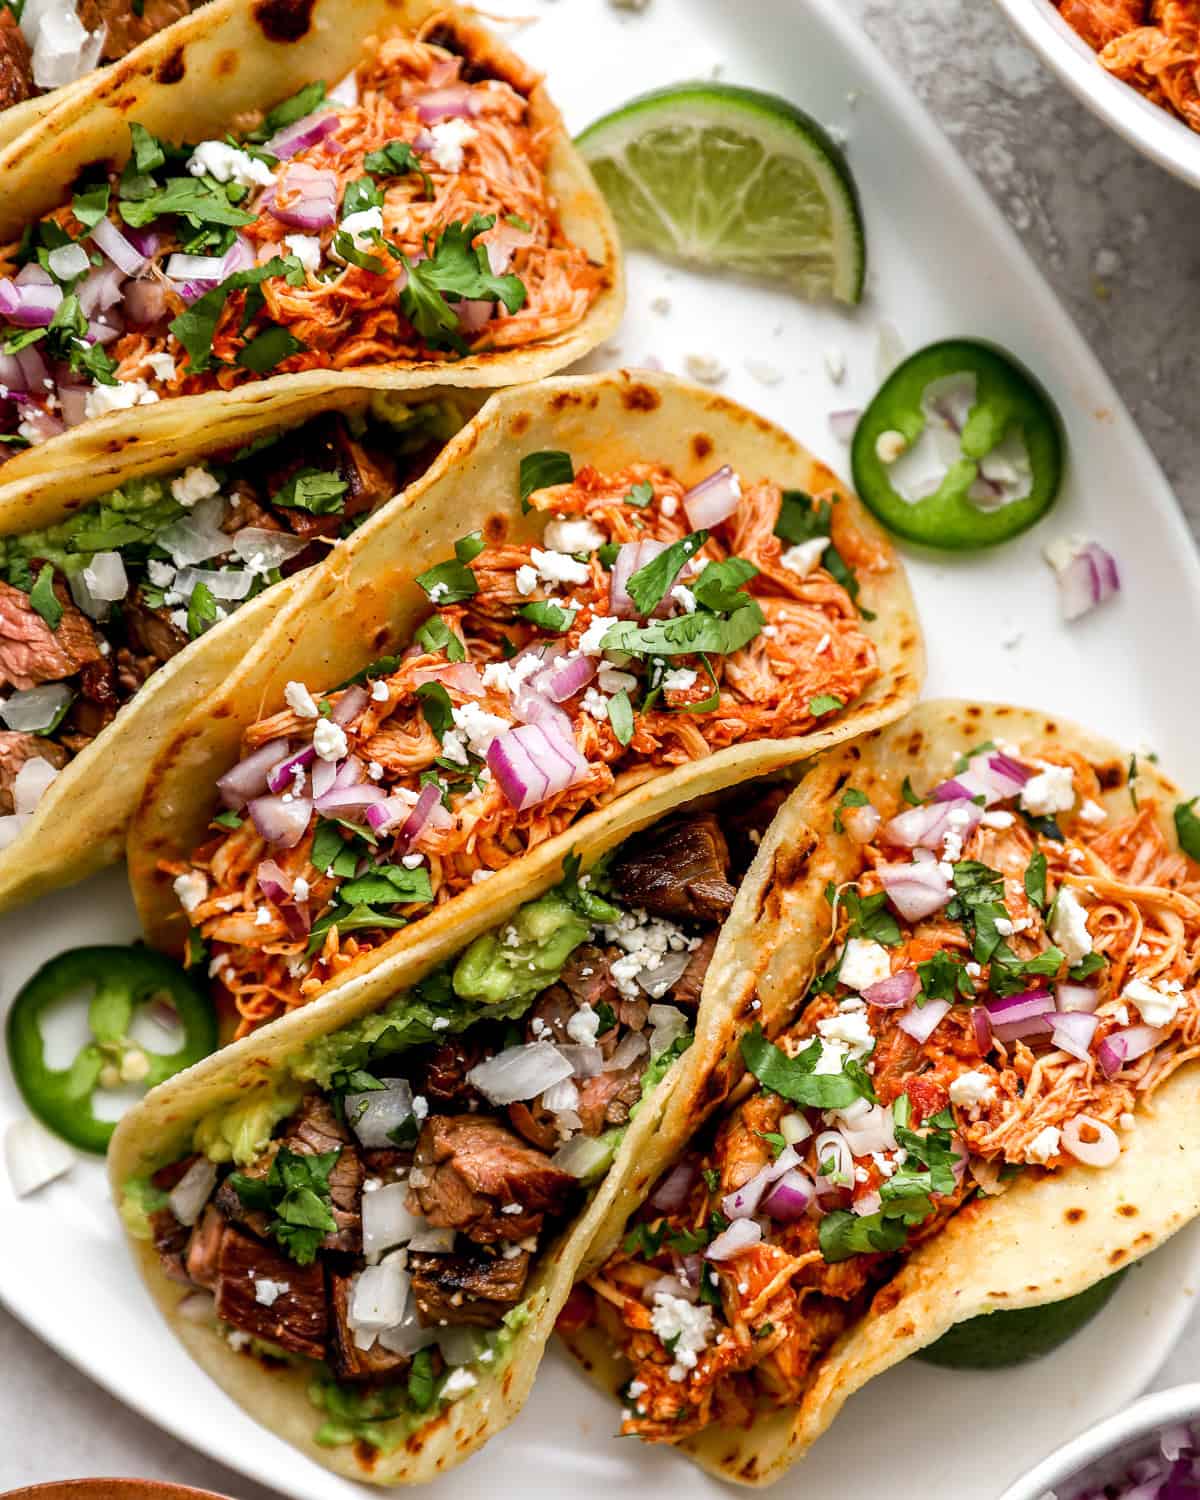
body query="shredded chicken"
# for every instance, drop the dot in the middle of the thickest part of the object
(1150, 44)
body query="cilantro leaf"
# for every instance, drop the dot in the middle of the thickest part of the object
(268, 349)
(360, 194)
(869, 916)
(842, 1234)
(90, 204)
(196, 325)
(540, 471)
(719, 587)
(852, 797)
(794, 1078)
(389, 885)
(421, 1381)
(43, 598)
(436, 635)
(620, 716)
(397, 159)
(318, 491)
(350, 919)
(801, 518)
(202, 610)
(468, 547)
(448, 582)
(303, 102)
(687, 634)
(198, 199)
(906, 791)
(548, 616)
(1035, 879)
(648, 586)
(944, 978)
(1187, 828)
(640, 495)
(825, 703)
(436, 708)
(457, 268)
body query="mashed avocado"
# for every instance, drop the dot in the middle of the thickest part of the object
(420, 422)
(385, 1416)
(139, 1199)
(241, 1132)
(524, 957)
(492, 980)
(136, 513)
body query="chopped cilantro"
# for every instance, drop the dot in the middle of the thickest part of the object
(449, 582)
(318, 491)
(43, 598)
(548, 616)
(196, 325)
(944, 978)
(648, 586)
(687, 634)
(825, 703)
(90, 204)
(229, 819)
(455, 267)
(541, 471)
(295, 1192)
(268, 349)
(202, 611)
(389, 885)
(421, 1382)
(852, 797)
(436, 635)
(1091, 964)
(773, 1139)
(1046, 826)
(1035, 879)
(719, 587)
(436, 708)
(349, 919)
(712, 1178)
(1187, 828)
(303, 102)
(640, 495)
(906, 791)
(620, 716)
(644, 1239)
(794, 1078)
(397, 159)
(869, 916)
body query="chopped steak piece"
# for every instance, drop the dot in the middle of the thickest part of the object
(226, 1198)
(296, 1320)
(16, 63)
(468, 1168)
(170, 1241)
(15, 750)
(536, 1123)
(476, 1288)
(386, 1162)
(325, 444)
(446, 1069)
(679, 873)
(151, 632)
(549, 1016)
(126, 23)
(588, 977)
(133, 671)
(244, 510)
(30, 652)
(203, 1256)
(607, 1098)
(686, 989)
(312, 1131)
(348, 1360)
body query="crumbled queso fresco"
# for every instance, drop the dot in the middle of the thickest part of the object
(691, 1326)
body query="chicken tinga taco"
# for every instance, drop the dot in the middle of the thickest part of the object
(423, 215)
(638, 626)
(982, 1101)
(48, 46)
(362, 1225)
(118, 611)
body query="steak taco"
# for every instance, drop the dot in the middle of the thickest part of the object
(362, 1221)
(646, 593)
(986, 1097)
(48, 49)
(269, 201)
(123, 603)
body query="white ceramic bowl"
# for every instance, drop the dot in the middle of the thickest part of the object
(1105, 1451)
(1147, 127)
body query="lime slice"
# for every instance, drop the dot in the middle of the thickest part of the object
(1011, 1336)
(720, 176)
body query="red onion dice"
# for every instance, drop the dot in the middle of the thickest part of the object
(1123, 1047)
(1089, 578)
(1076, 997)
(1073, 1033)
(916, 890)
(28, 306)
(632, 556)
(897, 989)
(922, 1021)
(273, 882)
(925, 827)
(312, 197)
(789, 1198)
(742, 1234)
(281, 823)
(453, 103)
(281, 776)
(672, 1192)
(350, 704)
(534, 763)
(249, 777)
(301, 134)
(982, 1025)
(713, 500)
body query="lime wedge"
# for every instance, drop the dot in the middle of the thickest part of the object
(720, 176)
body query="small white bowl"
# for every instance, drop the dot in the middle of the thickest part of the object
(1147, 127)
(1104, 1452)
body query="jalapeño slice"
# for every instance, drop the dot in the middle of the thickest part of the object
(120, 981)
(960, 448)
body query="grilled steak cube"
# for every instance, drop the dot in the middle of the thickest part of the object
(170, 1241)
(349, 1362)
(16, 748)
(608, 1098)
(296, 1319)
(468, 1168)
(203, 1257)
(16, 63)
(687, 988)
(476, 1288)
(313, 1131)
(679, 873)
(30, 652)
(446, 1068)
(151, 632)
(588, 978)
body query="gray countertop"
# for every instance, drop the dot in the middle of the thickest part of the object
(1119, 241)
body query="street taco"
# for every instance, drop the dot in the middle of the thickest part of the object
(49, 49)
(269, 201)
(124, 601)
(982, 1096)
(362, 1221)
(645, 593)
